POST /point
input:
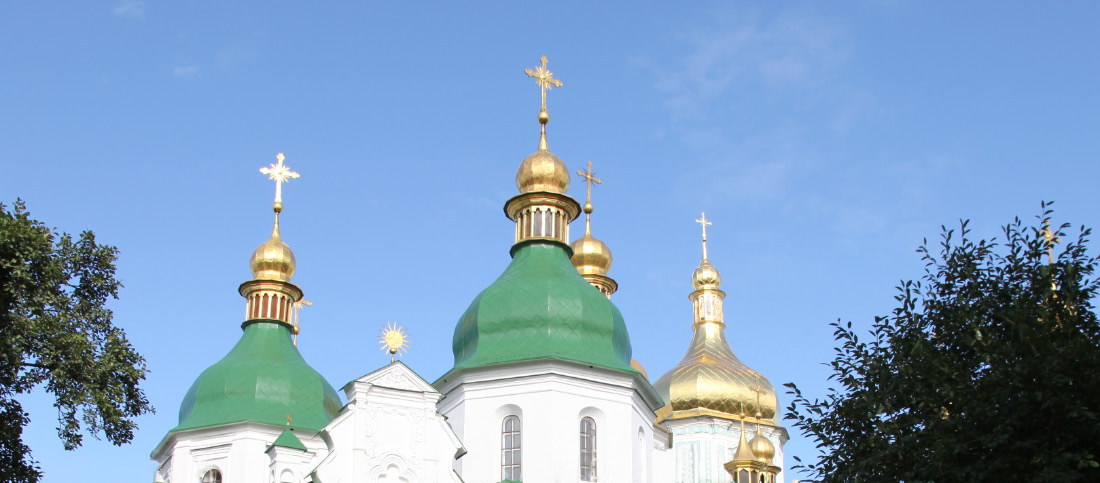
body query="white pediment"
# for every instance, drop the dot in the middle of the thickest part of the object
(396, 376)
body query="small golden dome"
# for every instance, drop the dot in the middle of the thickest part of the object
(706, 277)
(542, 171)
(591, 256)
(273, 259)
(762, 447)
(637, 366)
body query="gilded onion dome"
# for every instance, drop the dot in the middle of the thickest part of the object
(273, 259)
(710, 380)
(591, 256)
(762, 447)
(542, 171)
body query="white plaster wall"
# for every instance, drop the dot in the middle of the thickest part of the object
(550, 397)
(712, 442)
(237, 450)
(390, 427)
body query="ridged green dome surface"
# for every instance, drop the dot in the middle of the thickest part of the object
(541, 307)
(262, 380)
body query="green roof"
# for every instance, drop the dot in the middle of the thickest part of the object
(540, 307)
(261, 380)
(287, 439)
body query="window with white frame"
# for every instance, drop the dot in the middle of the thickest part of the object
(510, 456)
(588, 449)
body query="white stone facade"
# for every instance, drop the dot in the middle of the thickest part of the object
(396, 428)
(390, 431)
(551, 397)
(703, 444)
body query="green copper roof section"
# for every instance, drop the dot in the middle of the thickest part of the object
(287, 439)
(261, 380)
(540, 307)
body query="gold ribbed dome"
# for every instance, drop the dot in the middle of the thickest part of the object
(712, 381)
(542, 171)
(706, 277)
(591, 256)
(762, 447)
(273, 259)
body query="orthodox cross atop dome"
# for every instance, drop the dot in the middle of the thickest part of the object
(281, 173)
(546, 81)
(589, 178)
(544, 78)
(703, 221)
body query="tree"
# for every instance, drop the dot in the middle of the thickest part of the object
(986, 371)
(56, 331)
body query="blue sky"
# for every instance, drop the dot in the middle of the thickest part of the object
(824, 139)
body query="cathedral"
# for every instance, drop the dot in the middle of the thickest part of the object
(544, 387)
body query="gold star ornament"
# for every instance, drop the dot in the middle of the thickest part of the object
(394, 340)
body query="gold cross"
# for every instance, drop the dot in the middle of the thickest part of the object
(281, 173)
(298, 306)
(1050, 240)
(544, 78)
(703, 221)
(589, 178)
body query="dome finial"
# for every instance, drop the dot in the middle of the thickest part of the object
(703, 221)
(589, 178)
(542, 171)
(590, 255)
(705, 276)
(273, 259)
(546, 81)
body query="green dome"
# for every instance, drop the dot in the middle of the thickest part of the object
(541, 307)
(261, 380)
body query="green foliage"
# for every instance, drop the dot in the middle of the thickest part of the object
(56, 331)
(984, 372)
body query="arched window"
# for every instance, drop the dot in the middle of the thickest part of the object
(588, 449)
(510, 450)
(212, 476)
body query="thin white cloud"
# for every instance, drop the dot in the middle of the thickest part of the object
(131, 9)
(794, 50)
(186, 72)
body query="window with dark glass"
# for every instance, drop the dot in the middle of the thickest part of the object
(212, 476)
(588, 449)
(510, 450)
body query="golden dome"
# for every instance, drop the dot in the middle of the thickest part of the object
(711, 381)
(591, 256)
(637, 366)
(706, 276)
(542, 171)
(273, 259)
(762, 447)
